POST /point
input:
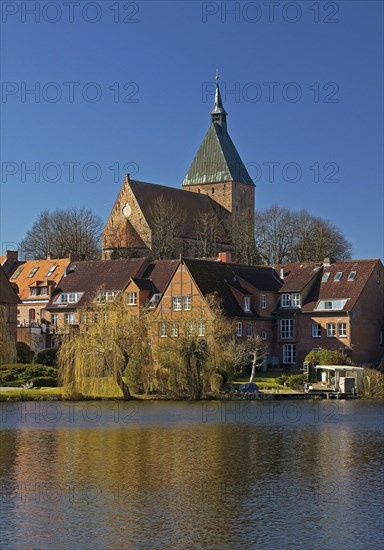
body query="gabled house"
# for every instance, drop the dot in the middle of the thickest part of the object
(247, 295)
(333, 305)
(87, 282)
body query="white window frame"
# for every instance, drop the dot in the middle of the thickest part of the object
(342, 330)
(289, 354)
(247, 304)
(54, 319)
(331, 330)
(338, 276)
(285, 300)
(316, 330)
(325, 277)
(249, 330)
(163, 329)
(69, 318)
(296, 299)
(239, 329)
(33, 272)
(131, 298)
(351, 276)
(286, 329)
(174, 330)
(187, 303)
(263, 301)
(176, 303)
(201, 329)
(191, 329)
(69, 297)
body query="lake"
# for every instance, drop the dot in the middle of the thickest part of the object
(222, 475)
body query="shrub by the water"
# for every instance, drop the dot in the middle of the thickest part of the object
(24, 353)
(47, 357)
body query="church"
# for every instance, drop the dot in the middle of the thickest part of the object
(199, 219)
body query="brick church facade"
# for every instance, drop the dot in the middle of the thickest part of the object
(216, 195)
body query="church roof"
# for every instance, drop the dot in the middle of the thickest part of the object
(189, 205)
(217, 159)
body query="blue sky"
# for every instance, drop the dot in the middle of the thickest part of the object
(127, 86)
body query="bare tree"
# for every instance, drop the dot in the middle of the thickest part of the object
(166, 224)
(284, 236)
(208, 228)
(243, 237)
(61, 232)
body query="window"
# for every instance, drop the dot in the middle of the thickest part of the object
(351, 276)
(286, 328)
(154, 300)
(289, 354)
(33, 272)
(325, 277)
(331, 304)
(43, 291)
(131, 298)
(239, 329)
(187, 303)
(176, 303)
(33, 291)
(285, 300)
(174, 330)
(32, 314)
(249, 330)
(263, 301)
(331, 329)
(163, 330)
(107, 295)
(69, 318)
(316, 330)
(54, 319)
(69, 297)
(342, 330)
(201, 328)
(17, 273)
(338, 276)
(247, 303)
(263, 335)
(295, 299)
(51, 271)
(190, 328)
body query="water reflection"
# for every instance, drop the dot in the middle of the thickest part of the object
(178, 477)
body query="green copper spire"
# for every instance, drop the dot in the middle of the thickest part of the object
(218, 113)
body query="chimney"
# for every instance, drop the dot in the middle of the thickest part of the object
(327, 262)
(224, 257)
(74, 257)
(282, 273)
(49, 256)
(12, 256)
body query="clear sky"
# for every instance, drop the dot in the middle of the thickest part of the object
(128, 86)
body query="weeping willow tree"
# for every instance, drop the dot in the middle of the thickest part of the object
(7, 344)
(110, 340)
(198, 345)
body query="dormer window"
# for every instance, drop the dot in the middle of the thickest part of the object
(295, 299)
(247, 303)
(69, 297)
(338, 276)
(285, 300)
(263, 301)
(351, 276)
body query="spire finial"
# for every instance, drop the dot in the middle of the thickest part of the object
(217, 76)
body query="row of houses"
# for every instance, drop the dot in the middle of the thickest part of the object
(293, 307)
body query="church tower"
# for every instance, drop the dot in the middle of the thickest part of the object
(217, 169)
